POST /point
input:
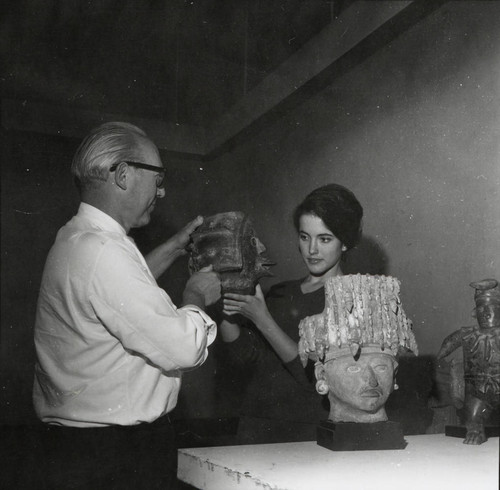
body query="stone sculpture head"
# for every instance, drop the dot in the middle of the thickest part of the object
(355, 342)
(228, 242)
(487, 299)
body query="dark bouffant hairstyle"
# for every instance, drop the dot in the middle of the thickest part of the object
(339, 209)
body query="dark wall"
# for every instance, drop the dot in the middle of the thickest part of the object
(414, 132)
(37, 197)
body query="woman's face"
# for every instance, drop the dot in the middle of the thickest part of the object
(321, 250)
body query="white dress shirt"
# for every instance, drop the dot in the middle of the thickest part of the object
(110, 343)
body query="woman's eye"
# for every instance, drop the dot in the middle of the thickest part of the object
(326, 240)
(303, 238)
(381, 368)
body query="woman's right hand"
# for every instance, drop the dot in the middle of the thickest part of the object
(255, 309)
(252, 307)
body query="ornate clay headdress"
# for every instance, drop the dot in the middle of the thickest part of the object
(361, 312)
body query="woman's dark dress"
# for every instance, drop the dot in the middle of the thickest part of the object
(280, 402)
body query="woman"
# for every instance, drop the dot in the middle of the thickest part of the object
(281, 404)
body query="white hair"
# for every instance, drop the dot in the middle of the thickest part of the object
(109, 143)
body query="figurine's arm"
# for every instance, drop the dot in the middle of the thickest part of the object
(450, 343)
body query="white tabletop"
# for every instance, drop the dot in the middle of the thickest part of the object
(428, 462)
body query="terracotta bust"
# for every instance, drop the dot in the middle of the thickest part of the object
(479, 390)
(228, 242)
(355, 342)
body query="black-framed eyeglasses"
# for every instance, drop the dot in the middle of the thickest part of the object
(160, 170)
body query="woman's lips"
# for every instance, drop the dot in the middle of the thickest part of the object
(314, 261)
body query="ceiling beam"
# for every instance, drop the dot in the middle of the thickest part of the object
(354, 25)
(26, 115)
(358, 32)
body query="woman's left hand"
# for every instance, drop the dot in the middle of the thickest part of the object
(252, 307)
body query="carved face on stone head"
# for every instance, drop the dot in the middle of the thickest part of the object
(487, 298)
(357, 387)
(354, 343)
(228, 242)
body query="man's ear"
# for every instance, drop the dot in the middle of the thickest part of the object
(121, 176)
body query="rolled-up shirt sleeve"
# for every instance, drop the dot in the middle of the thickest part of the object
(127, 300)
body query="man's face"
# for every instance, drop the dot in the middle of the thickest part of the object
(363, 385)
(144, 190)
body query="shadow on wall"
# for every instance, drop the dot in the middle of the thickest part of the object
(366, 258)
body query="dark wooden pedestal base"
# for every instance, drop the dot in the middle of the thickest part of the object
(351, 436)
(461, 431)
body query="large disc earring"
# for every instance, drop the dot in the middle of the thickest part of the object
(322, 387)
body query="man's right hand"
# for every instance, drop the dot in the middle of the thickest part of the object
(202, 289)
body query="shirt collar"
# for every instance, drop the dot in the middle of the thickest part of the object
(100, 218)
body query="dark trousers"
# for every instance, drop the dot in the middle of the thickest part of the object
(132, 457)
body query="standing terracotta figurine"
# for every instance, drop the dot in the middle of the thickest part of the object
(481, 355)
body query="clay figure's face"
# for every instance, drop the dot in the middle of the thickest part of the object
(228, 242)
(321, 250)
(360, 388)
(488, 316)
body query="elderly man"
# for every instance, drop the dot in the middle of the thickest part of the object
(111, 345)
